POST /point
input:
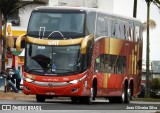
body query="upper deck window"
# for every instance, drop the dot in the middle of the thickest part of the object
(56, 25)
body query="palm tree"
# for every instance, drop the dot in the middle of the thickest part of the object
(7, 9)
(149, 24)
(152, 25)
(157, 3)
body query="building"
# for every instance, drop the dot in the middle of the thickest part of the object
(154, 70)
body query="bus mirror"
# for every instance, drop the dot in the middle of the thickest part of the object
(18, 42)
(30, 50)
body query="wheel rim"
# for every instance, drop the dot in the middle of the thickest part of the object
(129, 94)
(123, 97)
(92, 93)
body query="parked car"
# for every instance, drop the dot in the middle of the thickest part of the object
(155, 93)
(155, 88)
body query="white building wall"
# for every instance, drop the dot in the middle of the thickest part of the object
(24, 16)
(106, 5)
(53, 3)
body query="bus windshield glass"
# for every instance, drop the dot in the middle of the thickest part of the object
(52, 60)
(56, 25)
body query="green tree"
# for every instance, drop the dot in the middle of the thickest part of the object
(7, 9)
(155, 87)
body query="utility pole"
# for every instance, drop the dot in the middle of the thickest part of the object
(148, 50)
(135, 9)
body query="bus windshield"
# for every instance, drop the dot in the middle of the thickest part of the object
(52, 60)
(56, 25)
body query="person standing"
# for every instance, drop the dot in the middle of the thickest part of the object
(17, 77)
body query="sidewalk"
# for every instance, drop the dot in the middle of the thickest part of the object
(15, 96)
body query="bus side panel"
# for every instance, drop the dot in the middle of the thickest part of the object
(117, 47)
(111, 84)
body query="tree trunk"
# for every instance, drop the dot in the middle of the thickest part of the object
(4, 46)
(148, 52)
(0, 23)
(0, 39)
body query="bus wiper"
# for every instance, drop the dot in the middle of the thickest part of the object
(68, 70)
(32, 70)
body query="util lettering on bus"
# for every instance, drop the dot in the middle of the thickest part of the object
(53, 42)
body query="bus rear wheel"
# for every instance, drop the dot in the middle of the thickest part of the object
(125, 98)
(40, 98)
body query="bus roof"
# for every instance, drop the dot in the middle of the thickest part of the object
(83, 9)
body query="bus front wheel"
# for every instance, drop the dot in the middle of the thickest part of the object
(74, 99)
(87, 99)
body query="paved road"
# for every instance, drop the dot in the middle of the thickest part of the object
(61, 106)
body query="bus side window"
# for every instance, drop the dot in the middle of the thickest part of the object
(113, 27)
(109, 27)
(131, 32)
(106, 26)
(117, 30)
(97, 64)
(101, 27)
(136, 33)
(126, 30)
(122, 30)
(91, 17)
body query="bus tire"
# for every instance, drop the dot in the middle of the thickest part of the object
(89, 99)
(131, 92)
(74, 99)
(126, 95)
(112, 99)
(40, 98)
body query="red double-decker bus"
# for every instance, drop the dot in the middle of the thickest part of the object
(82, 53)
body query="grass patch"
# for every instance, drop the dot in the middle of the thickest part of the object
(147, 99)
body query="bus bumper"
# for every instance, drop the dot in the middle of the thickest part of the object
(78, 89)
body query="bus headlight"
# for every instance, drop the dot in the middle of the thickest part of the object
(28, 80)
(78, 80)
(74, 81)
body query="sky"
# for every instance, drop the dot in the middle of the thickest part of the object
(125, 7)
